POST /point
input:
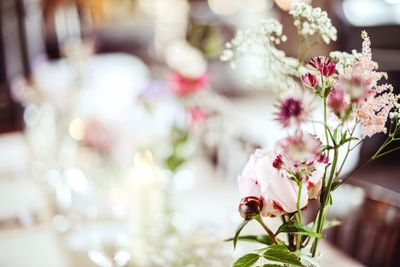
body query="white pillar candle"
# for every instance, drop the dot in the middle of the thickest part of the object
(146, 213)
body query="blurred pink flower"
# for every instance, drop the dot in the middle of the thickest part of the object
(260, 179)
(182, 86)
(354, 86)
(338, 102)
(99, 136)
(197, 115)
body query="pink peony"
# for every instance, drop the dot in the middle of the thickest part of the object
(262, 180)
(182, 86)
(247, 180)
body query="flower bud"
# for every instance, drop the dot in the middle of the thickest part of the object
(324, 65)
(309, 80)
(328, 69)
(250, 207)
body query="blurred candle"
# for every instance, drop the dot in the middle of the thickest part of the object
(146, 214)
(286, 4)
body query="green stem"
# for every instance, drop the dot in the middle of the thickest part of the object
(387, 152)
(300, 185)
(326, 193)
(269, 232)
(298, 217)
(347, 152)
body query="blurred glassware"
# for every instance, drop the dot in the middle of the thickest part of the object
(371, 12)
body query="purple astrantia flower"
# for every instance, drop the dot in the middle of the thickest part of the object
(290, 111)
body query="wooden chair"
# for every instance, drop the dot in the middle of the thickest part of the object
(370, 229)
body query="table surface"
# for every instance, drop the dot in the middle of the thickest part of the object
(208, 199)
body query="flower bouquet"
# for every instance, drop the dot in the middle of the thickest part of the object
(330, 105)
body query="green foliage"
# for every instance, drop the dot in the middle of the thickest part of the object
(246, 260)
(238, 230)
(263, 239)
(280, 253)
(297, 228)
(174, 160)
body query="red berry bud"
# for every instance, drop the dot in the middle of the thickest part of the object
(250, 207)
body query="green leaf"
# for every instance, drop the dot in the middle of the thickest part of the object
(297, 228)
(238, 230)
(246, 260)
(329, 199)
(336, 184)
(173, 162)
(280, 253)
(335, 133)
(348, 140)
(263, 239)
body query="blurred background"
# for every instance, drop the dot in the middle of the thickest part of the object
(95, 95)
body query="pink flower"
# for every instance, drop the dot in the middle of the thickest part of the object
(260, 179)
(247, 180)
(182, 86)
(309, 80)
(197, 115)
(354, 86)
(337, 101)
(360, 78)
(324, 65)
(99, 136)
(317, 62)
(290, 111)
(373, 113)
(365, 67)
(314, 182)
(299, 149)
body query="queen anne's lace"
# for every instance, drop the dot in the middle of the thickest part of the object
(344, 59)
(256, 41)
(309, 21)
(260, 42)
